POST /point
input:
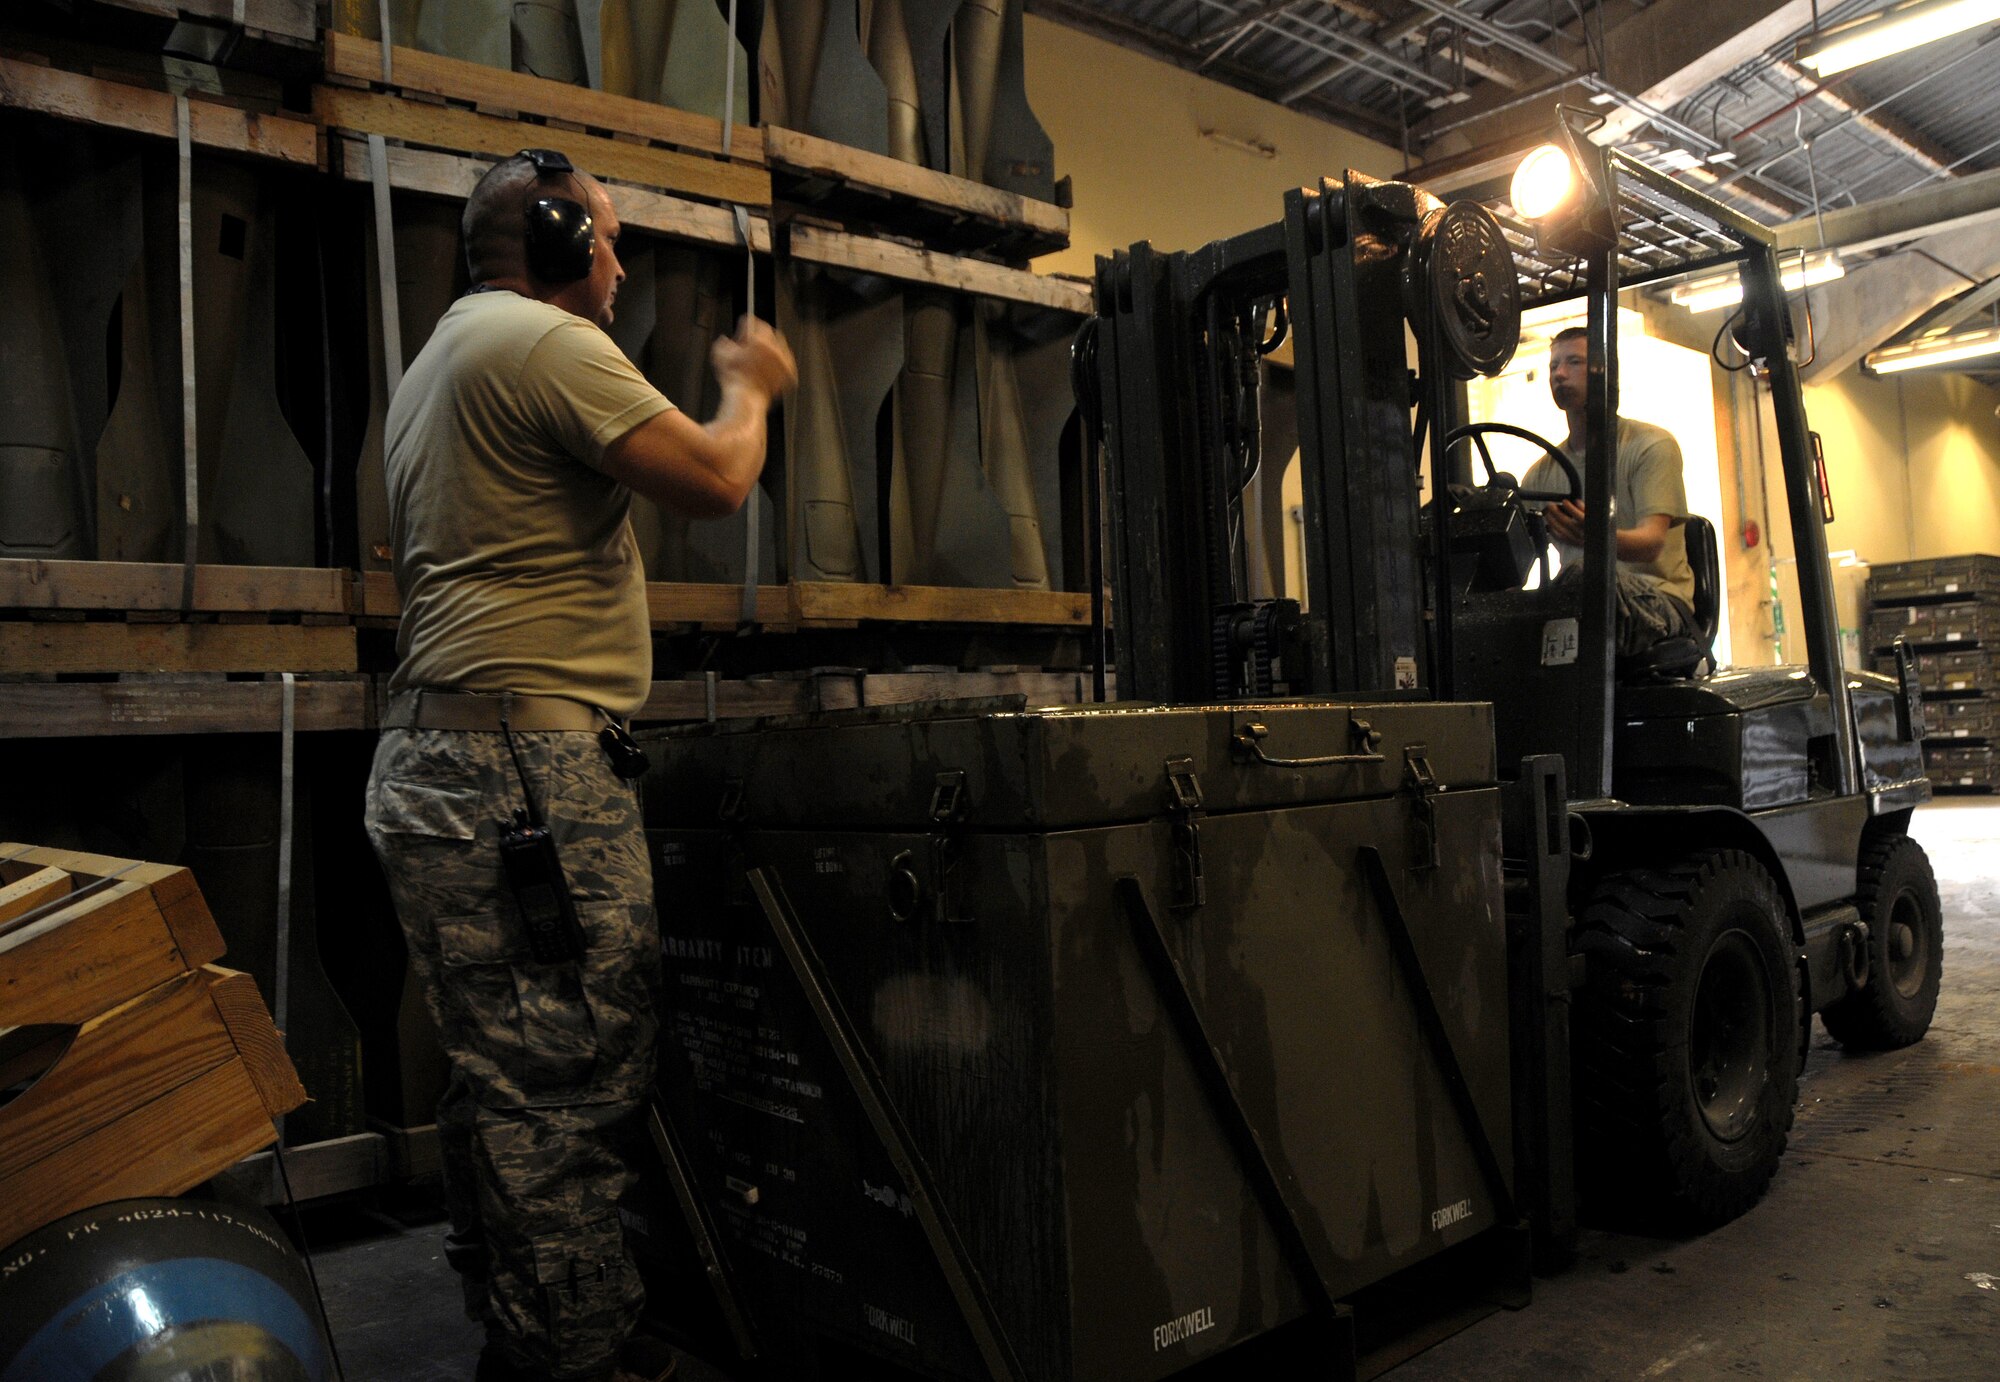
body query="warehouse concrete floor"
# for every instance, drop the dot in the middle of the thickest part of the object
(1876, 1254)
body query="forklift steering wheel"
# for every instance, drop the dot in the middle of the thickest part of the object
(1477, 431)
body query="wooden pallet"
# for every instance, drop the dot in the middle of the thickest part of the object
(835, 604)
(162, 1070)
(440, 174)
(352, 61)
(28, 82)
(158, 586)
(934, 207)
(457, 129)
(672, 604)
(93, 709)
(816, 604)
(58, 647)
(846, 690)
(455, 175)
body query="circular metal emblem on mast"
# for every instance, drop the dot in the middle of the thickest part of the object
(1475, 295)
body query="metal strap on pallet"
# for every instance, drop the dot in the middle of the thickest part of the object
(281, 984)
(752, 506)
(385, 232)
(385, 269)
(190, 440)
(975, 1307)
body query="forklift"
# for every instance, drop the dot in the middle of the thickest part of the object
(1725, 853)
(1262, 1019)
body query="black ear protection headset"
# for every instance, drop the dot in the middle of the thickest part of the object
(561, 238)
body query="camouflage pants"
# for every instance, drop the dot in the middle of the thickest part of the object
(550, 1064)
(1647, 615)
(1643, 613)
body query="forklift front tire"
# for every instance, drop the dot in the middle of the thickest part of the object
(1685, 1038)
(1898, 898)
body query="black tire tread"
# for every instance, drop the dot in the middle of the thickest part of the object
(1865, 1020)
(1636, 1150)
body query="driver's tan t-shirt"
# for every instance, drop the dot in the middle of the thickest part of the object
(1648, 481)
(514, 559)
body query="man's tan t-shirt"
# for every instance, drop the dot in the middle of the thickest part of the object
(1648, 481)
(514, 558)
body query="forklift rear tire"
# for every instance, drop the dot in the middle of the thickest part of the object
(1898, 898)
(1685, 1035)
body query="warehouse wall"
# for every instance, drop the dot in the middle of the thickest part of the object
(1914, 466)
(1130, 133)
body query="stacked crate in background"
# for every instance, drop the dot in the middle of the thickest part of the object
(1947, 609)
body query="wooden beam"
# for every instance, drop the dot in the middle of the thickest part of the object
(91, 954)
(840, 602)
(33, 584)
(91, 709)
(31, 890)
(822, 158)
(174, 1143)
(257, 1042)
(94, 101)
(447, 127)
(914, 265)
(118, 1060)
(455, 175)
(734, 700)
(36, 646)
(668, 603)
(412, 69)
(673, 602)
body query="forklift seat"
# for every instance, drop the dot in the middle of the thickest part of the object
(1683, 657)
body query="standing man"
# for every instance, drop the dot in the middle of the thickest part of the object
(514, 446)
(1655, 586)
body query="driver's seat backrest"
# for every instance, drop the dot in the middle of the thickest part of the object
(1683, 657)
(1706, 562)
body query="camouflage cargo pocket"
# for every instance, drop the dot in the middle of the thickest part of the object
(589, 1291)
(531, 1020)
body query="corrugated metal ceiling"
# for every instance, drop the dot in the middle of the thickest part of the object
(1774, 138)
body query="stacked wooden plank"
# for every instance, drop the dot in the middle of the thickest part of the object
(131, 1064)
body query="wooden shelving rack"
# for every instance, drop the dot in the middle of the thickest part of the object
(65, 626)
(93, 650)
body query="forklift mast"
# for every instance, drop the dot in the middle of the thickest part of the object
(1181, 336)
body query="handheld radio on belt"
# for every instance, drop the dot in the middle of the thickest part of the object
(534, 872)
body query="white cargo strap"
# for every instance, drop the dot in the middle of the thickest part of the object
(190, 440)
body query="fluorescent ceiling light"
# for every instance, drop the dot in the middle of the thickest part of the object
(1936, 350)
(1726, 289)
(1894, 30)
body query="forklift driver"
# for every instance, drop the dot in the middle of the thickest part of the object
(1655, 586)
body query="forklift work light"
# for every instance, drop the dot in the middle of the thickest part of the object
(1545, 180)
(1563, 189)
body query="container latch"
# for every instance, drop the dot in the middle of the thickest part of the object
(947, 808)
(1424, 787)
(1185, 812)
